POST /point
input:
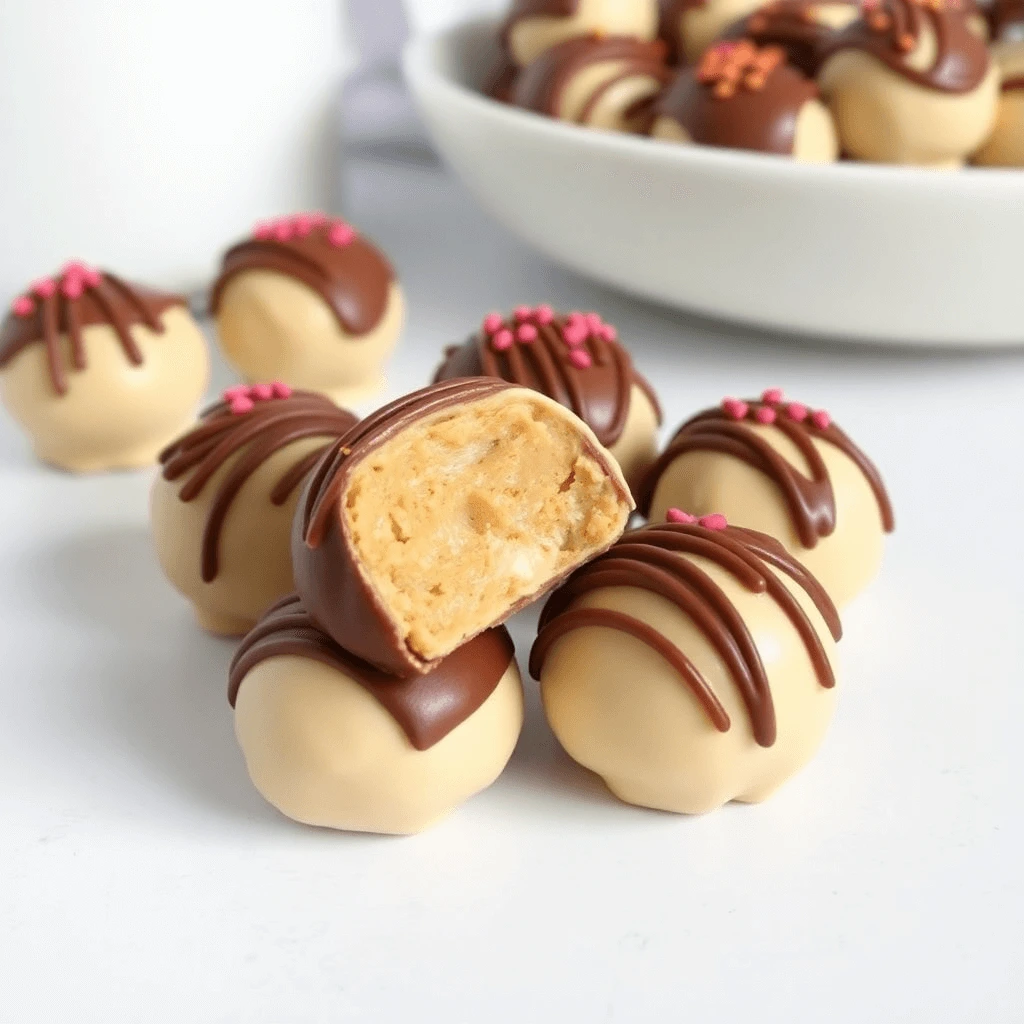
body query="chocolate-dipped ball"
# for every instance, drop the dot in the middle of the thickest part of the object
(101, 373)
(576, 360)
(1006, 21)
(689, 27)
(330, 741)
(533, 26)
(1005, 145)
(801, 27)
(443, 513)
(308, 301)
(690, 665)
(602, 83)
(786, 470)
(743, 97)
(909, 82)
(222, 508)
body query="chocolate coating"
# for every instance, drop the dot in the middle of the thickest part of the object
(649, 559)
(598, 393)
(426, 707)
(670, 13)
(1006, 21)
(265, 429)
(890, 29)
(352, 277)
(810, 500)
(102, 299)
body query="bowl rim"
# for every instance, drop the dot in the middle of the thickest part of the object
(423, 70)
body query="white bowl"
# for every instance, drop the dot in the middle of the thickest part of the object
(855, 251)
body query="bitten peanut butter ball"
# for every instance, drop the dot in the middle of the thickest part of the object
(99, 372)
(743, 97)
(575, 359)
(1005, 144)
(689, 27)
(308, 301)
(690, 665)
(533, 26)
(609, 83)
(443, 513)
(786, 470)
(330, 741)
(223, 505)
(909, 82)
(801, 27)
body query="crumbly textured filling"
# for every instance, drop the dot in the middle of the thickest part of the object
(473, 510)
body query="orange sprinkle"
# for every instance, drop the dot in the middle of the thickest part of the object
(906, 42)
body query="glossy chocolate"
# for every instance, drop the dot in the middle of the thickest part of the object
(729, 430)
(889, 30)
(349, 273)
(670, 26)
(740, 97)
(653, 558)
(590, 374)
(426, 707)
(261, 426)
(1006, 21)
(77, 298)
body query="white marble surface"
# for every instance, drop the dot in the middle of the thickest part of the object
(142, 879)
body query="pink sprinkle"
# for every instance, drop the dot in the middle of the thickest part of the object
(281, 390)
(580, 358)
(303, 224)
(713, 522)
(576, 317)
(503, 340)
(72, 287)
(677, 515)
(522, 313)
(575, 334)
(238, 391)
(608, 332)
(74, 268)
(594, 322)
(765, 416)
(23, 306)
(772, 395)
(44, 287)
(796, 411)
(341, 234)
(544, 314)
(92, 277)
(263, 231)
(240, 406)
(493, 323)
(317, 219)
(734, 408)
(821, 419)
(282, 231)
(527, 333)
(261, 392)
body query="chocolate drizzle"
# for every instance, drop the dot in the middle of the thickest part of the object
(267, 427)
(810, 500)
(349, 273)
(670, 25)
(541, 85)
(889, 30)
(658, 559)
(81, 297)
(427, 707)
(598, 392)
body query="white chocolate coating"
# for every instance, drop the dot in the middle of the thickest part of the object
(323, 751)
(621, 710)
(530, 37)
(637, 446)
(704, 482)
(886, 118)
(274, 327)
(1005, 145)
(114, 415)
(610, 110)
(254, 553)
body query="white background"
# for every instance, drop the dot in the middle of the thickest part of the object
(143, 879)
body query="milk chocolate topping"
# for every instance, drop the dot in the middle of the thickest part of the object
(76, 298)
(670, 26)
(262, 420)
(729, 431)
(740, 97)
(889, 30)
(541, 85)
(427, 707)
(653, 559)
(350, 275)
(573, 358)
